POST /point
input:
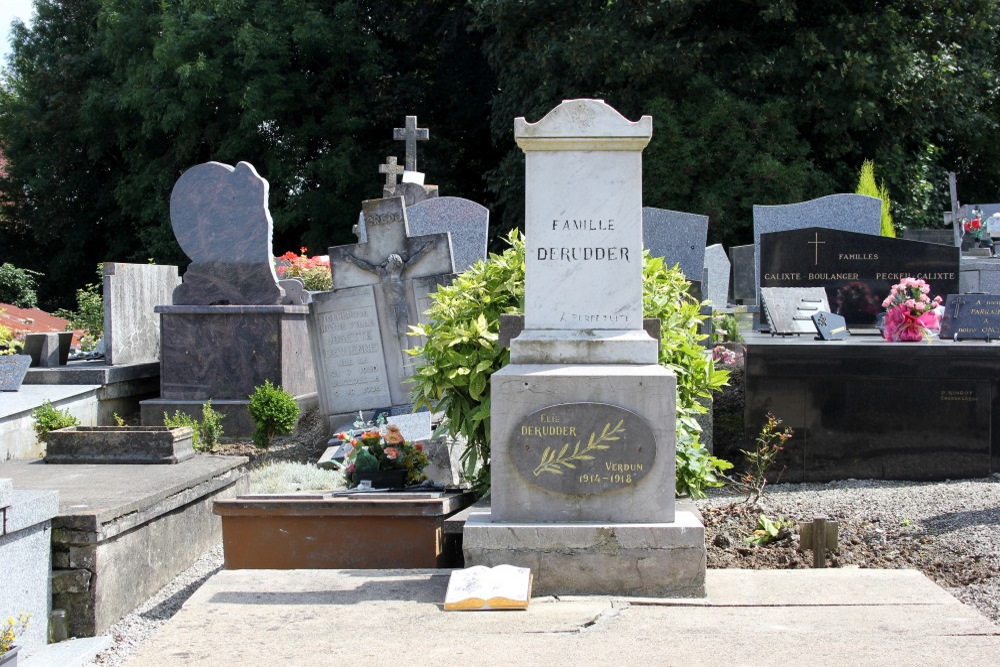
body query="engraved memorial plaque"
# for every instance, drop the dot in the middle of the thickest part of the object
(789, 310)
(971, 316)
(348, 353)
(583, 448)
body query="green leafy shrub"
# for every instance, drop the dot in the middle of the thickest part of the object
(274, 412)
(17, 286)
(460, 354)
(206, 434)
(211, 426)
(49, 418)
(89, 313)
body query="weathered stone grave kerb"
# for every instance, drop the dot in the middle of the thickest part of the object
(359, 329)
(226, 332)
(846, 212)
(583, 418)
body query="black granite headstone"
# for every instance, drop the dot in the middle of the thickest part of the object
(971, 316)
(584, 448)
(857, 270)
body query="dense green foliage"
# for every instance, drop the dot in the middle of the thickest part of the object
(106, 102)
(274, 412)
(47, 418)
(461, 352)
(17, 286)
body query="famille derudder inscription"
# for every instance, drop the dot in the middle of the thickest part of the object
(583, 448)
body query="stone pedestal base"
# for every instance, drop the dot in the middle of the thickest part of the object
(221, 353)
(654, 559)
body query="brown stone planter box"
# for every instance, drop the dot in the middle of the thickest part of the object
(119, 444)
(323, 531)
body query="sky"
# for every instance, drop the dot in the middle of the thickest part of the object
(9, 10)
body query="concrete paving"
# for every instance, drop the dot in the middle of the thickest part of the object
(749, 617)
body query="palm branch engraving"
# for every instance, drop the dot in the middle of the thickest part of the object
(554, 463)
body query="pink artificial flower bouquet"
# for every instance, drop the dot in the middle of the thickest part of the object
(910, 312)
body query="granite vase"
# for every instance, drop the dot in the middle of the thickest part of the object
(383, 479)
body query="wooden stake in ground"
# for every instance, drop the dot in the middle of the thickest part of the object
(819, 535)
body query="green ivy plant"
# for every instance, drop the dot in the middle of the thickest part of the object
(274, 412)
(461, 352)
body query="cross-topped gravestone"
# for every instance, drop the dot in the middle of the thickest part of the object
(391, 171)
(380, 288)
(411, 134)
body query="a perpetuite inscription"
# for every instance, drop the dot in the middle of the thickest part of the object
(971, 316)
(583, 448)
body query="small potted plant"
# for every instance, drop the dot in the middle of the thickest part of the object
(382, 456)
(910, 312)
(9, 631)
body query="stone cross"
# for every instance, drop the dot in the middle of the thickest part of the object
(411, 134)
(391, 170)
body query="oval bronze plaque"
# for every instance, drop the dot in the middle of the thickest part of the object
(583, 448)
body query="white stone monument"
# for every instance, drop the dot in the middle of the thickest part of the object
(583, 419)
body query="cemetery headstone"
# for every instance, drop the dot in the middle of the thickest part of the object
(971, 316)
(718, 268)
(677, 237)
(131, 327)
(359, 330)
(857, 270)
(227, 331)
(846, 212)
(583, 418)
(220, 217)
(466, 221)
(744, 280)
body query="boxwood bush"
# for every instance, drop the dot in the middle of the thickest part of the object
(461, 352)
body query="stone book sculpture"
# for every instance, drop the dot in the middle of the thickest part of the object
(483, 588)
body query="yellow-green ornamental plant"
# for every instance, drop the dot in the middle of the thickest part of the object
(10, 629)
(868, 186)
(461, 352)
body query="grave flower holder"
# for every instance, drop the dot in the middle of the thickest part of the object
(9, 659)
